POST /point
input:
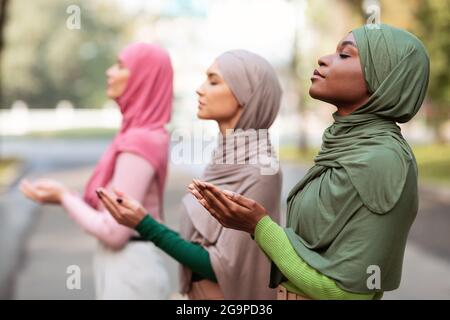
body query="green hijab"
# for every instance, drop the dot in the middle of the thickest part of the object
(355, 206)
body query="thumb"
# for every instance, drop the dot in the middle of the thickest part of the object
(239, 199)
(119, 193)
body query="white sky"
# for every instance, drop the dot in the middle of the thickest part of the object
(263, 26)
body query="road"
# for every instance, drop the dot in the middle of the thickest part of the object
(37, 244)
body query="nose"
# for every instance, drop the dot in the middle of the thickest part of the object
(200, 91)
(324, 61)
(109, 72)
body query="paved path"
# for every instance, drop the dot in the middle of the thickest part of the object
(38, 261)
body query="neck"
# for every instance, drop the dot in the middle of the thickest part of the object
(230, 123)
(224, 126)
(346, 109)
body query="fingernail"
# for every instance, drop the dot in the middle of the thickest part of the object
(119, 200)
(98, 193)
(228, 193)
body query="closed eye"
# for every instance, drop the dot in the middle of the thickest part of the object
(344, 56)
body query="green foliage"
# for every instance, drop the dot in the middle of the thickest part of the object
(434, 163)
(433, 27)
(433, 160)
(44, 61)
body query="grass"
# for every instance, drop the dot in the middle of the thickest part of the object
(433, 161)
(74, 133)
(291, 153)
(9, 168)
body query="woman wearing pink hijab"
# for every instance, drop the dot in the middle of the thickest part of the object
(136, 163)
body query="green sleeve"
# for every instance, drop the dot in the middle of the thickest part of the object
(189, 254)
(273, 241)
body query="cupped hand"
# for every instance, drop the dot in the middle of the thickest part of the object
(232, 210)
(125, 210)
(44, 191)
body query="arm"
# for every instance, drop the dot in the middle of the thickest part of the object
(192, 255)
(132, 175)
(274, 242)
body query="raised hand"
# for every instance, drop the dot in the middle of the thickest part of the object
(230, 209)
(43, 190)
(125, 210)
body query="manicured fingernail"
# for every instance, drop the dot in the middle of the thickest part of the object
(228, 193)
(119, 200)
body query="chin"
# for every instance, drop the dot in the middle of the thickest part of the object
(204, 114)
(313, 93)
(201, 115)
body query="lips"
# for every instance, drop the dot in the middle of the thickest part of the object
(317, 73)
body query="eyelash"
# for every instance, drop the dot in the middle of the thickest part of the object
(344, 56)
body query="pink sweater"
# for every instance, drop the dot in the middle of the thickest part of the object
(132, 175)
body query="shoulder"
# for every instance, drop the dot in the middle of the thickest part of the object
(387, 159)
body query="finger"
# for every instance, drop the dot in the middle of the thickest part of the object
(109, 203)
(29, 191)
(215, 203)
(196, 194)
(206, 205)
(215, 214)
(191, 186)
(111, 209)
(220, 195)
(25, 184)
(118, 193)
(125, 201)
(197, 189)
(198, 184)
(129, 203)
(239, 199)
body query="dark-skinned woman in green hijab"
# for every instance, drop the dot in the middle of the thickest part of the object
(348, 219)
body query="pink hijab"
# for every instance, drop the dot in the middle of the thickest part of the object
(146, 107)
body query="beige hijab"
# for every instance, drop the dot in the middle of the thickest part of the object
(243, 162)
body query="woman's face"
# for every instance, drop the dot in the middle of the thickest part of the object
(215, 99)
(339, 80)
(117, 77)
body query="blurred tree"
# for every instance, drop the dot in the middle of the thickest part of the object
(46, 61)
(318, 31)
(3, 7)
(433, 27)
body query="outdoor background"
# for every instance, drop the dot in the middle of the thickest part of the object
(55, 119)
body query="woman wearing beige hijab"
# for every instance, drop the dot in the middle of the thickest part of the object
(242, 93)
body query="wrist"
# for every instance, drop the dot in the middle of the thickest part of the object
(262, 226)
(62, 194)
(257, 221)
